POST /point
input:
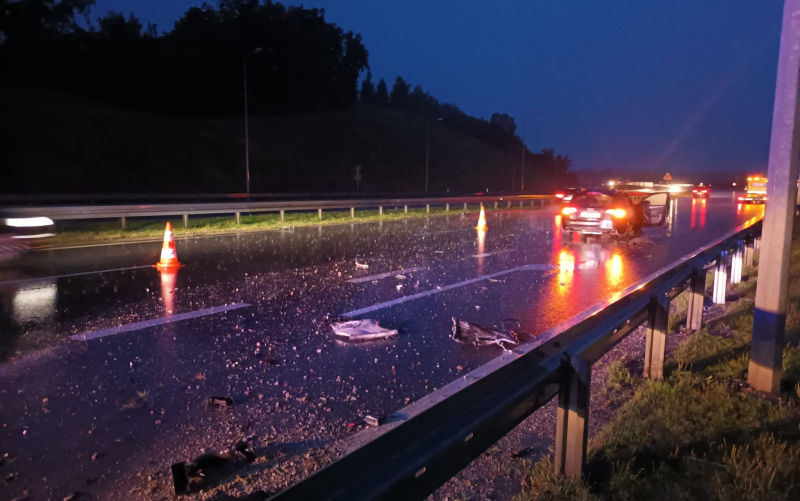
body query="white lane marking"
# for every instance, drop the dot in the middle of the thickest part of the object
(156, 321)
(379, 306)
(370, 278)
(442, 231)
(487, 254)
(42, 279)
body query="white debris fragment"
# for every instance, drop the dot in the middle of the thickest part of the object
(363, 266)
(400, 277)
(361, 330)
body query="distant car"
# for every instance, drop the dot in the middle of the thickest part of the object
(701, 192)
(18, 234)
(566, 194)
(611, 212)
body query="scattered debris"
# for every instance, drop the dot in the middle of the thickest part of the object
(399, 286)
(400, 277)
(184, 470)
(474, 334)
(361, 330)
(375, 420)
(641, 241)
(363, 266)
(220, 401)
(527, 451)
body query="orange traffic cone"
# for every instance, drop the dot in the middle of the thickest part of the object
(482, 220)
(169, 255)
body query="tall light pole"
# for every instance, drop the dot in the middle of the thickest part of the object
(246, 132)
(428, 150)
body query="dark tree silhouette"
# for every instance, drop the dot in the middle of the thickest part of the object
(368, 89)
(382, 93)
(399, 96)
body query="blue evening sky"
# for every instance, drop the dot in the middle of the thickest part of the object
(680, 85)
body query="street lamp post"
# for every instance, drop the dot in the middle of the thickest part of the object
(428, 150)
(246, 131)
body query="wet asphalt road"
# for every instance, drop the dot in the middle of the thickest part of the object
(108, 416)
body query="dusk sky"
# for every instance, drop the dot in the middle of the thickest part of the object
(673, 86)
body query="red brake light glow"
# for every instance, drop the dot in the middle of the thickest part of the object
(617, 213)
(569, 210)
(559, 195)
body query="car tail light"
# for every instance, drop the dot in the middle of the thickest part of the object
(705, 191)
(694, 191)
(569, 210)
(741, 198)
(617, 213)
(559, 195)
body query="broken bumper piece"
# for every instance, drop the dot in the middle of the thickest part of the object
(361, 330)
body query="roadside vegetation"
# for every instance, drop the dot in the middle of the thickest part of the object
(702, 433)
(78, 233)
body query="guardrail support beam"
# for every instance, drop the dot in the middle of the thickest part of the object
(697, 293)
(509, 204)
(465, 206)
(495, 204)
(380, 211)
(122, 222)
(749, 250)
(186, 220)
(447, 207)
(656, 344)
(428, 208)
(736, 262)
(238, 218)
(283, 214)
(319, 213)
(405, 209)
(352, 212)
(720, 277)
(572, 421)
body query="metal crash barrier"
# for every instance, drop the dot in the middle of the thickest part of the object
(425, 444)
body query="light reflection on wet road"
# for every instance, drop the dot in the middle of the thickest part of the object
(141, 393)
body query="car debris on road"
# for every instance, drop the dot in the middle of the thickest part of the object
(182, 471)
(361, 330)
(474, 334)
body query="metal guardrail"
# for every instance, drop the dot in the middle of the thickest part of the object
(427, 443)
(79, 212)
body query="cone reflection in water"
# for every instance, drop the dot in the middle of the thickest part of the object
(482, 220)
(481, 247)
(169, 254)
(169, 277)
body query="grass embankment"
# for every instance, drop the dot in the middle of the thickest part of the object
(77, 233)
(702, 433)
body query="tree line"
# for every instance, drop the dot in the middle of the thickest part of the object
(296, 61)
(499, 130)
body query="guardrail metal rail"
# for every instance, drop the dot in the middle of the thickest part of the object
(122, 212)
(425, 444)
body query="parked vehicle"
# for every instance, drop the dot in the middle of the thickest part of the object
(566, 194)
(17, 235)
(756, 190)
(701, 191)
(611, 212)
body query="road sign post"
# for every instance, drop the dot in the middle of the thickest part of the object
(769, 322)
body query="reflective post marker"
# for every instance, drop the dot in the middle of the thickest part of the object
(737, 262)
(720, 278)
(769, 318)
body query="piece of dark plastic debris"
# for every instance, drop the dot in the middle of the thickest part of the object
(246, 450)
(220, 401)
(375, 420)
(523, 453)
(180, 478)
(474, 334)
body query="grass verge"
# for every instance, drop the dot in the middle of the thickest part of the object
(92, 232)
(702, 433)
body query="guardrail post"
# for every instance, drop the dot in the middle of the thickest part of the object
(736, 262)
(122, 222)
(697, 293)
(238, 218)
(495, 204)
(352, 212)
(720, 277)
(405, 209)
(380, 211)
(319, 212)
(428, 208)
(509, 204)
(465, 206)
(186, 220)
(521, 202)
(656, 344)
(283, 214)
(572, 422)
(447, 207)
(749, 250)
